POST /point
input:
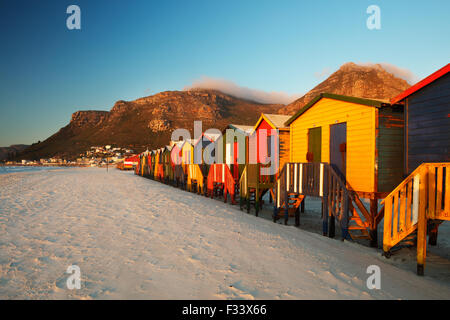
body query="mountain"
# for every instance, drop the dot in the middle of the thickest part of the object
(10, 152)
(371, 82)
(147, 122)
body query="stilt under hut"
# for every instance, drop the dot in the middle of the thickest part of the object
(343, 149)
(253, 183)
(421, 202)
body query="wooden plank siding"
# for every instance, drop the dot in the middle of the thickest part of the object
(360, 121)
(390, 148)
(428, 124)
(284, 136)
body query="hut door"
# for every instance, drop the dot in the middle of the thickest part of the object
(338, 147)
(314, 145)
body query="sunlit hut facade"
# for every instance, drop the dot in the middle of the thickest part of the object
(263, 129)
(203, 155)
(422, 201)
(231, 148)
(177, 161)
(228, 150)
(361, 138)
(254, 183)
(151, 163)
(427, 120)
(159, 166)
(168, 166)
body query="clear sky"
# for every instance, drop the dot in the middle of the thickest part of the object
(129, 49)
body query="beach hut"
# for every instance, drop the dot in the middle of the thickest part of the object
(422, 201)
(253, 182)
(130, 162)
(197, 170)
(168, 166)
(152, 162)
(137, 169)
(223, 176)
(345, 145)
(427, 120)
(159, 165)
(179, 176)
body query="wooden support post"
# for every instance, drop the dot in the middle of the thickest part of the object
(286, 208)
(241, 201)
(325, 214)
(297, 216)
(432, 237)
(248, 200)
(257, 200)
(344, 218)
(332, 227)
(373, 230)
(422, 224)
(302, 206)
(275, 212)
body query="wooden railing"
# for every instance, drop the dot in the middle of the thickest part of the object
(243, 185)
(320, 180)
(220, 176)
(424, 195)
(252, 180)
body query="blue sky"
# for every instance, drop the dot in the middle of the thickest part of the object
(129, 49)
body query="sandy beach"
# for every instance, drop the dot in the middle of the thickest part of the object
(135, 238)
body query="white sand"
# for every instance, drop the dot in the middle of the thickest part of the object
(137, 238)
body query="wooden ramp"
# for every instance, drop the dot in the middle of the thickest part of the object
(418, 205)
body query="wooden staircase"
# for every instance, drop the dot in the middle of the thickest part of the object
(339, 202)
(417, 206)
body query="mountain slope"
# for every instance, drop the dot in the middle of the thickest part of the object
(11, 151)
(371, 82)
(147, 122)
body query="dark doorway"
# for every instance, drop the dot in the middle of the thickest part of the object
(338, 147)
(314, 145)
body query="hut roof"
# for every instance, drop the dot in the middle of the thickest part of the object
(275, 120)
(362, 101)
(419, 85)
(246, 129)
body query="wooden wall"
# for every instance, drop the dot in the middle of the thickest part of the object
(360, 121)
(428, 124)
(390, 147)
(284, 136)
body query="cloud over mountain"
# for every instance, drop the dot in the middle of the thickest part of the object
(231, 88)
(401, 73)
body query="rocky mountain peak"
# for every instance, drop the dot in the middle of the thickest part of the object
(88, 118)
(351, 79)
